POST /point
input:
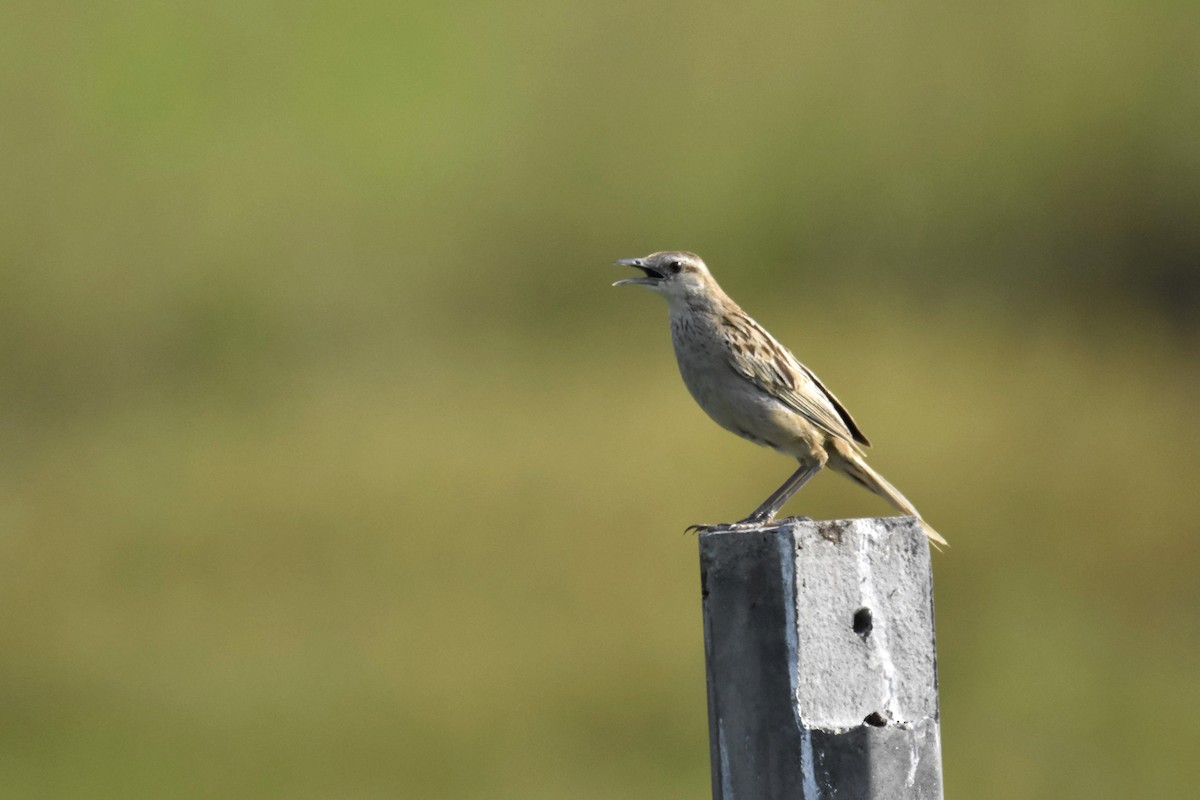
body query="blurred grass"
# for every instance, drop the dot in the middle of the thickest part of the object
(331, 467)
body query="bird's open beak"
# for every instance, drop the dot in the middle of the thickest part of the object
(652, 278)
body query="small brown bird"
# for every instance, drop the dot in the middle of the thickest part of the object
(753, 386)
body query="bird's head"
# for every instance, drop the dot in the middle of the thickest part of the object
(675, 274)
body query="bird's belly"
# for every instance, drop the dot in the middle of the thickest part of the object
(740, 407)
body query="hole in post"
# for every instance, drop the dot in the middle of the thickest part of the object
(875, 720)
(862, 622)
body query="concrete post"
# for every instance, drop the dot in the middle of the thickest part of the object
(822, 667)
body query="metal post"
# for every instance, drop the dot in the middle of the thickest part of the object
(821, 661)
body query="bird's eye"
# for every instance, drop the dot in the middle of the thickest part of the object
(675, 266)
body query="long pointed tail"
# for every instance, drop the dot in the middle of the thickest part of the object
(853, 466)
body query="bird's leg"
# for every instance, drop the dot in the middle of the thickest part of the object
(770, 507)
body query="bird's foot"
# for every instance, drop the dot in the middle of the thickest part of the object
(747, 524)
(724, 527)
(788, 520)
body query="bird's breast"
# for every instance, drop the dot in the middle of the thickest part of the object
(728, 397)
(705, 365)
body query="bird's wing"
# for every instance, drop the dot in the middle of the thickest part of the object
(758, 357)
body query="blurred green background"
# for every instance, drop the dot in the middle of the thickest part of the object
(331, 466)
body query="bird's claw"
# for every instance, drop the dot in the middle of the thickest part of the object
(748, 524)
(726, 527)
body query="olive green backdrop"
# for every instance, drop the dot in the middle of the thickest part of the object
(331, 466)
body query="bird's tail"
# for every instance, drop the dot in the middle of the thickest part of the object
(854, 467)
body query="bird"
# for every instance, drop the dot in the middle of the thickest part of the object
(753, 386)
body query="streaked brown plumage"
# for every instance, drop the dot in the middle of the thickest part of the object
(752, 385)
